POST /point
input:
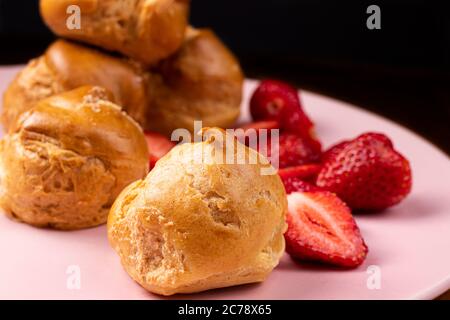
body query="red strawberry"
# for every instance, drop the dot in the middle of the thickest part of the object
(254, 128)
(321, 228)
(294, 184)
(367, 173)
(271, 98)
(293, 150)
(267, 124)
(333, 151)
(251, 136)
(158, 146)
(296, 121)
(277, 100)
(380, 137)
(300, 178)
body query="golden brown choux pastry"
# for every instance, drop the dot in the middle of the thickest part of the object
(202, 81)
(64, 162)
(146, 30)
(66, 66)
(210, 225)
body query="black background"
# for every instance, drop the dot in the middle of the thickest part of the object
(401, 71)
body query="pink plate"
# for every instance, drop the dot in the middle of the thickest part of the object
(409, 244)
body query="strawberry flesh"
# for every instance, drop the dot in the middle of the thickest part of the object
(321, 228)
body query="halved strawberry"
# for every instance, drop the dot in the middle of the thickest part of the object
(321, 228)
(300, 178)
(158, 146)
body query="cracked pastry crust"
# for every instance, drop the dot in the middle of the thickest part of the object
(64, 162)
(210, 225)
(145, 30)
(202, 81)
(66, 66)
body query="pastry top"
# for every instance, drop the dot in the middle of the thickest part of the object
(202, 81)
(210, 225)
(64, 161)
(146, 30)
(86, 122)
(66, 66)
(203, 67)
(76, 65)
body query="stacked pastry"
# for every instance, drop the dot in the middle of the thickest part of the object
(75, 150)
(164, 73)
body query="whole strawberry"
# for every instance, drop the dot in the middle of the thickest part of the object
(367, 173)
(333, 150)
(279, 101)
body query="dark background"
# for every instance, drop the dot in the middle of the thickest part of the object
(401, 71)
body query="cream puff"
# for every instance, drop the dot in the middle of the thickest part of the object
(201, 82)
(64, 161)
(145, 30)
(197, 223)
(65, 66)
